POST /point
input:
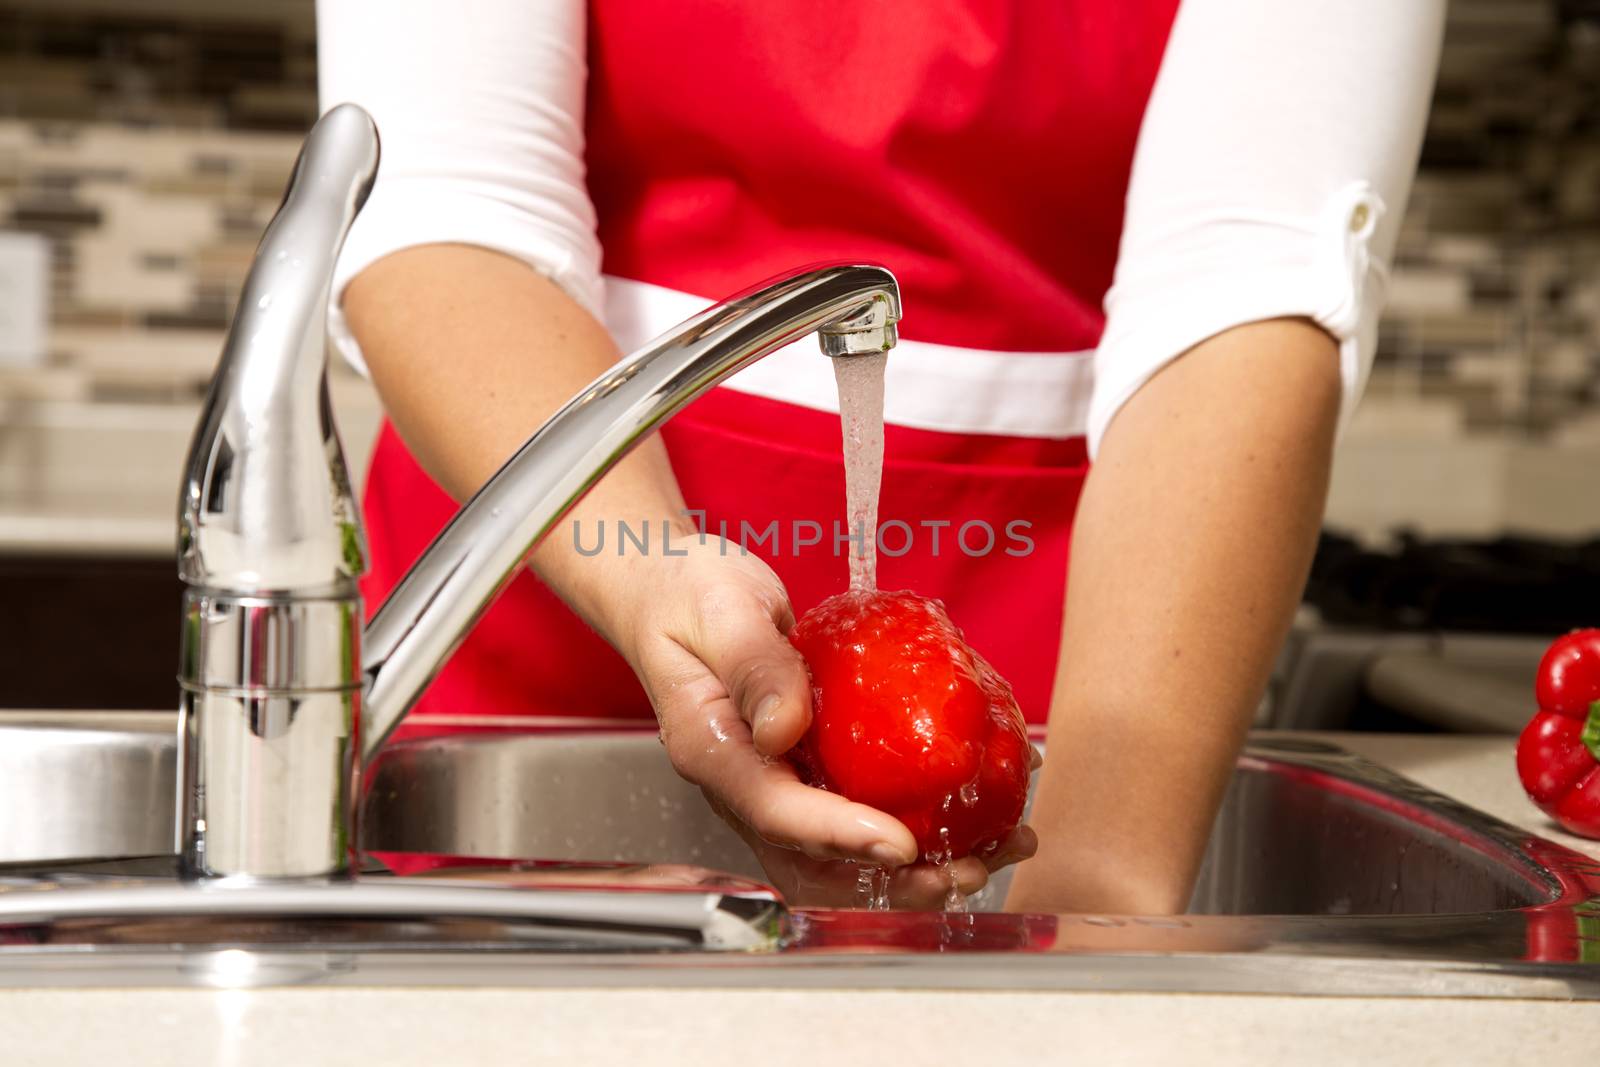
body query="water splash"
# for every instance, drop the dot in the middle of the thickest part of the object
(872, 888)
(954, 899)
(860, 382)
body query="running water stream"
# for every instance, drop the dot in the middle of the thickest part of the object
(860, 383)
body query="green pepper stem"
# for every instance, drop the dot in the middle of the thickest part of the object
(1591, 730)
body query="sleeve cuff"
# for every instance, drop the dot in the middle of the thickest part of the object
(1222, 274)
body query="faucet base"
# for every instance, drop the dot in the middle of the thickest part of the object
(294, 749)
(268, 726)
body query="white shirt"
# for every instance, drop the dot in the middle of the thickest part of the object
(1274, 160)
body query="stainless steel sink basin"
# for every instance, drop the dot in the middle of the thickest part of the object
(1293, 838)
(1325, 874)
(83, 785)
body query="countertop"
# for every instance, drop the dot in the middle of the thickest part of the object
(772, 1027)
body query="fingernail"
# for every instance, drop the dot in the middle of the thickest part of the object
(888, 855)
(764, 714)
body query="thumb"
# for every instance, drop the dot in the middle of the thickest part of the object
(763, 673)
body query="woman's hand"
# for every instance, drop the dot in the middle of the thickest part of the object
(705, 632)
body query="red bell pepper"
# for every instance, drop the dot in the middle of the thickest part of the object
(909, 719)
(1558, 755)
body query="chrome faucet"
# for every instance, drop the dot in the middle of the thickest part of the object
(283, 696)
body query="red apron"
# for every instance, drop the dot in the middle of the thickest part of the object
(980, 151)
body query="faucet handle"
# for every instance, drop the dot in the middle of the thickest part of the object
(267, 506)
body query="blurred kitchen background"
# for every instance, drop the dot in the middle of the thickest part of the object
(144, 146)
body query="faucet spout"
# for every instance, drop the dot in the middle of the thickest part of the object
(853, 309)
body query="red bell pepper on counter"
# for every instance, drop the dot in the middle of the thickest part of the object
(1558, 755)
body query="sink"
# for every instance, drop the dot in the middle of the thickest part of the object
(1292, 837)
(1296, 835)
(86, 784)
(1325, 874)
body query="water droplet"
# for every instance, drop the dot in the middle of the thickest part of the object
(265, 301)
(953, 900)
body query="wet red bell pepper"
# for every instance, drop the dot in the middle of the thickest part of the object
(1558, 755)
(910, 719)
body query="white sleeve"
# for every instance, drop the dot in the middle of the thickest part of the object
(1272, 168)
(479, 108)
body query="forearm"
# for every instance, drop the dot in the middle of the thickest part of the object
(470, 352)
(1189, 554)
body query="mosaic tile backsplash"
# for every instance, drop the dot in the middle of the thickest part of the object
(1495, 297)
(150, 149)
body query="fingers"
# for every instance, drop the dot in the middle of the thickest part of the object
(1021, 844)
(781, 810)
(738, 637)
(810, 881)
(711, 745)
(1035, 757)
(806, 882)
(919, 887)
(923, 887)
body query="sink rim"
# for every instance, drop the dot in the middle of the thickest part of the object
(1549, 867)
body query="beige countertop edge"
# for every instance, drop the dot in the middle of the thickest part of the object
(775, 1028)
